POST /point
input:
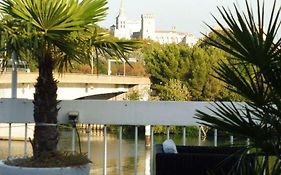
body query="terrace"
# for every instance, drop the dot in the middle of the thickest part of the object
(119, 113)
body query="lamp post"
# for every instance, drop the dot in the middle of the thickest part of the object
(131, 60)
(14, 75)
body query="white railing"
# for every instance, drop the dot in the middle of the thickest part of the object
(135, 113)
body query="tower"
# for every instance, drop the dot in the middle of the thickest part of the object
(121, 29)
(147, 26)
(121, 18)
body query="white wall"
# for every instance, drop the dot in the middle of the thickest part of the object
(67, 93)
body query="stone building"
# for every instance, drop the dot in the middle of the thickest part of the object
(145, 29)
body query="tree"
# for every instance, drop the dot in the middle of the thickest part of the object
(254, 72)
(190, 65)
(51, 34)
(165, 62)
(98, 45)
(133, 95)
(11, 38)
(199, 77)
(175, 90)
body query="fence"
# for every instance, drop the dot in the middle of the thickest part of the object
(135, 113)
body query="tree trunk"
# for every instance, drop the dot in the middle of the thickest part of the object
(46, 133)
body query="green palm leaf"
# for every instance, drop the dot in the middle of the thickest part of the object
(253, 71)
(56, 15)
(51, 30)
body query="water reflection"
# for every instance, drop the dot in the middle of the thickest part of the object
(127, 160)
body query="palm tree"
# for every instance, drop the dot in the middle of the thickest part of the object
(10, 38)
(253, 70)
(49, 34)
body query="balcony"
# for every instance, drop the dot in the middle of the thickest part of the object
(15, 112)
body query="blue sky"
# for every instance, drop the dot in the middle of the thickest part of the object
(185, 15)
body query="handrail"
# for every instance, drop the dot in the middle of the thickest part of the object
(137, 113)
(111, 112)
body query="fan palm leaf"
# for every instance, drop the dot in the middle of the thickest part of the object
(253, 70)
(48, 34)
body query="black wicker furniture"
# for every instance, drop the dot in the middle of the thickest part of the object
(196, 160)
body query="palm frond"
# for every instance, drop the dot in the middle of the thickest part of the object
(56, 15)
(252, 70)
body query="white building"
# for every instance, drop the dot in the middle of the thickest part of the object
(145, 29)
(124, 28)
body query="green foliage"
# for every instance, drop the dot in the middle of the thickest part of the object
(203, 85)
(191, 66)
(133, 95)
(253, 71)
(56, 33)
(165, 62)
(174, 90)
(159, 129)
(94, 46)
(85, 68)
(191, 131)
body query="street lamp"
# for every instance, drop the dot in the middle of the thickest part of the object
(14, 75)
(131, 60)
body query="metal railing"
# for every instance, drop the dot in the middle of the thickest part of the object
(119, 113)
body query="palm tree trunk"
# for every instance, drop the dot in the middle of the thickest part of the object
(46, 133)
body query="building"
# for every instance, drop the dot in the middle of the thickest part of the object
(145, 29)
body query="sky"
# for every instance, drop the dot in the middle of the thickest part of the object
(185, 15)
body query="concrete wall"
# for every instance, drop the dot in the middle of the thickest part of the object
(73, 86)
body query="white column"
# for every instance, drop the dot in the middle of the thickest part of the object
(147, 135)
(25, 140)
(199, 136)
(151, 150)
(168, 132)
(184, 136)
(88, 141)
(136, 150)
(109, 67)
(120, 150)
(215, 137)
(10, 141)
(105, 149)
(73, 140)
(231, 140)
(147, 161)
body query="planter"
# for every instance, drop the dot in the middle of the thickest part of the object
(14, 170)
